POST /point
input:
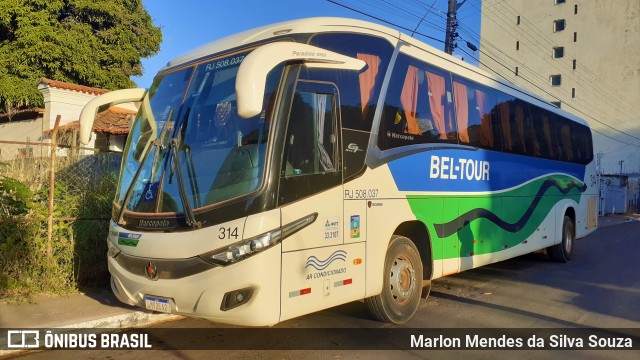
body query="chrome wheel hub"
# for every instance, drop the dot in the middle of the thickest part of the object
(402, 281)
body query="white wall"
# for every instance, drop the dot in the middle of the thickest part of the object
(66, 103)
(23, 130)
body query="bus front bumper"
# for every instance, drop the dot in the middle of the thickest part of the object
(212, 294)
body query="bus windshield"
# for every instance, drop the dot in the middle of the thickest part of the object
(220, 155)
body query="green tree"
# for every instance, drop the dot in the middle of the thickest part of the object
(88, 42)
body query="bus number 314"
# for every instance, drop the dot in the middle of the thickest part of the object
(227, 233)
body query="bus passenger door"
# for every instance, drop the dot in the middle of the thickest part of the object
(316, 265)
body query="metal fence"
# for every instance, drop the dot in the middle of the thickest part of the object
(55, 206)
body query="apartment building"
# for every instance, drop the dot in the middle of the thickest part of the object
(583, 56)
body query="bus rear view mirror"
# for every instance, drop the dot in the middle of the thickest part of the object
(252, 74)
(88, 114)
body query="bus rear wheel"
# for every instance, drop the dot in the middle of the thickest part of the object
(402, 285)
(563, 251)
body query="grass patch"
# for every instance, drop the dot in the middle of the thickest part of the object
(84, 188)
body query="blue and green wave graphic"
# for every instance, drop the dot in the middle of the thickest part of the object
(474, 224)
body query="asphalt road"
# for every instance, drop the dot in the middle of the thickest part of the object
(599, 288)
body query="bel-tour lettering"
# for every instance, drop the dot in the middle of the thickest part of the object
(444, 167)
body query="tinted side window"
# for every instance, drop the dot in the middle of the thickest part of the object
(545, 145)
(311, 137)
(566, 140)
(583, 145)
(515, 120)
(418, 108)
(310, 163)
(474, 106)
(359, 91)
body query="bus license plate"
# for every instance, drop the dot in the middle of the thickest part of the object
(156, 303)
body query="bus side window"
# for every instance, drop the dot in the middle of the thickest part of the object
(524, 124)
(515, 119)
(474, 105)
(544, 135)
(567, 139)
(418, 107)
(583, 147)
(311, 142)
(311, 159)
(310, 147)
(359, 91)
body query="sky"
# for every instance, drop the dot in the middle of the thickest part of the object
(188, 24)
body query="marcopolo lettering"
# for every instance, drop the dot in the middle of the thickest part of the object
(153, 223)
(450, 168)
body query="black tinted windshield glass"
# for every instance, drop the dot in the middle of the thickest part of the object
(221, 155)
(164, 98)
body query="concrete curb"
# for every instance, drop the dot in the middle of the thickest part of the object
(128, 320)
(132, 319)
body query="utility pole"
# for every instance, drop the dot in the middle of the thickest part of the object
(452, 26)
(601, 195)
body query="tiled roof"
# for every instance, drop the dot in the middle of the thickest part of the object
(28, 114)
(74, 87)
(115, 121)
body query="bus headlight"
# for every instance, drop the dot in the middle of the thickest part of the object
(246, 248)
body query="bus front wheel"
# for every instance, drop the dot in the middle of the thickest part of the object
(402, 285)
(563, 251)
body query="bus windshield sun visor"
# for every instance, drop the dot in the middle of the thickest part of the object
(252, 74)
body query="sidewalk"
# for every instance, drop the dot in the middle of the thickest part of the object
(92, 309)
(617, 219)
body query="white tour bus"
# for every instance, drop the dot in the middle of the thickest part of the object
(303, 165)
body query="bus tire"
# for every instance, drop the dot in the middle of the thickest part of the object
(402, 285)
(563, 251)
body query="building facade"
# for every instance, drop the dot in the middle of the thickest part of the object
(582, 55)
(21, 132)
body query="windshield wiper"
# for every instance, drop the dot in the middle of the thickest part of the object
(175, 163)
(161, 143)
(157, 144)
(127, 196)
(191, 171)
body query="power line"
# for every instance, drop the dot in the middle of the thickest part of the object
(409, 13)
(496, 61)
(425, 15)
(486, 53)
(475, 12)
(388, 7)
(549, 41)
(539, 45)
(384, 21)
(541, 89)
(618, 149)
(392, 9)
(588, 105)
